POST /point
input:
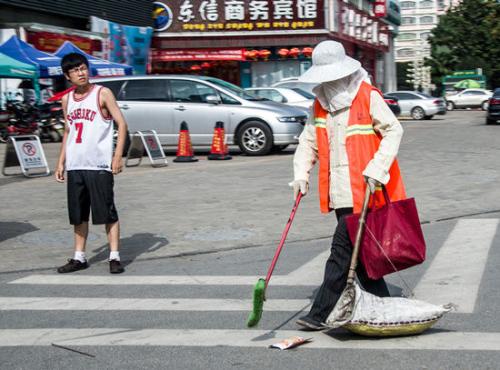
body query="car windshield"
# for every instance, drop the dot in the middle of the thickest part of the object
(305, 94)
(236, 90)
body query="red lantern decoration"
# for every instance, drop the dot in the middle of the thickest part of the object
(264, 54)
(283, 53)
(206, 65)
(251, 54)
(307, 52)
(294, 53)
(195, 67)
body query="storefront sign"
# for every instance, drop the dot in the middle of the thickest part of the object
(196, 55)
(178, 16)
(379, 8)
(125, 44)
(362, 27)
(50, 42)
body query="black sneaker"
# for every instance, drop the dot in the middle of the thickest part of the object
(310, 324)
(115, 267)
(72, 266)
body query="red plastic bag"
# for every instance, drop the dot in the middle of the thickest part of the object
(392, 234)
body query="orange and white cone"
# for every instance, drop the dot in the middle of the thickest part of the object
(219, 150)
(184, 148)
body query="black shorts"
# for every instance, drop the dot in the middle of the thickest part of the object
(91, 189)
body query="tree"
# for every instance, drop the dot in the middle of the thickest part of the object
(467, 37)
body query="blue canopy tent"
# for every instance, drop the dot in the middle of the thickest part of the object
(48, 65)
(98, 67)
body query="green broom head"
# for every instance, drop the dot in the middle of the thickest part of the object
(258, 303)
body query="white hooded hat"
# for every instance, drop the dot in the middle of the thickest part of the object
(329, 63)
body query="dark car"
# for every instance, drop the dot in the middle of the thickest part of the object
(493, 114)
(392, 102)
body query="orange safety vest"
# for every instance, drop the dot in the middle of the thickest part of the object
(362, 143)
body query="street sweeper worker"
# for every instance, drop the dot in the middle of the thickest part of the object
(354, 137)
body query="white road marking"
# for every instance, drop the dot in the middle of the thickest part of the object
(310, 274)
(145, 304)
(449, 341)
(456, 272)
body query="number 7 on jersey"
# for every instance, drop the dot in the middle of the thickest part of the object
(79, 129)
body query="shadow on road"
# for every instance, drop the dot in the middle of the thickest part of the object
(9, 230)
(131, 248)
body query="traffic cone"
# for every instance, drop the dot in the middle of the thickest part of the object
(219, 150)
(184, 148)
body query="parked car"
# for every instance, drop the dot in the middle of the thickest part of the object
(392, 102)
(469, 98)
(290, 96)
(493, 114)
(161, 103)
(293, 83)
(418, 105)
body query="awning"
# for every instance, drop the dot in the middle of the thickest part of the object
(48, 65)
(98, 67)
(165, 55)
(11, 68)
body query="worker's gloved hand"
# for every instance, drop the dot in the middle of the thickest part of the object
(299, 185)
(372, 184)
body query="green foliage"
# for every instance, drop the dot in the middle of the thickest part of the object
(467, 37)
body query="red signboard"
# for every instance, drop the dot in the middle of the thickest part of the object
(50, 41)
(245, 16)
(380, 8)
(197, 55)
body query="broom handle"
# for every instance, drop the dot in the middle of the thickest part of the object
(283, 238)
(359, 236)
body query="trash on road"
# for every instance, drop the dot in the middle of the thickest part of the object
(290, 343)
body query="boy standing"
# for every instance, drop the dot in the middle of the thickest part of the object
(87, 156)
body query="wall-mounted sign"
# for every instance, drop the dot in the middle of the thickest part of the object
(379, 8)
(51, 41)
(360, 26)
(180, 16)
(197, 54)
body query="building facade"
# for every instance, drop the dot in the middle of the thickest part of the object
(258, 43)
(418, 18)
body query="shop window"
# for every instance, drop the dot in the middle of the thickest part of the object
(146, 90)
(408, 5)
(189, 91)
(426, 4)
(408, 20)
(428, 19)
(407, 36)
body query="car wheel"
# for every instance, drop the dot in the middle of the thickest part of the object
(484, 105)
(428, 117)
(255, 138)
(279, 148)
(417, 113)
(127, 142)
(450, 105)
(490, 121)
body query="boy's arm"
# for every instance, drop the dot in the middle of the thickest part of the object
(59, 174)
(109, 102)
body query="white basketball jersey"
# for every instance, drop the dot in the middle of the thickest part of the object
(89, 145)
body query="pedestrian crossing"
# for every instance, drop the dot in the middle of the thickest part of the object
(453, 275)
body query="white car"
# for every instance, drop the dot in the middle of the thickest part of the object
(469, 98)
(293, 82)
(290, 96)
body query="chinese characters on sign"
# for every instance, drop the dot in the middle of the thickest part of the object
(244, 15)
(379, 8)
(362, 27)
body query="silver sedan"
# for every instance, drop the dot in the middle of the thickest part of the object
(418, 105)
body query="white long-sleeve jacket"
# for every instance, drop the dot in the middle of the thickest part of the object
(306, 153)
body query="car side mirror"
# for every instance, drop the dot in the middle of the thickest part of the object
(212, 99)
